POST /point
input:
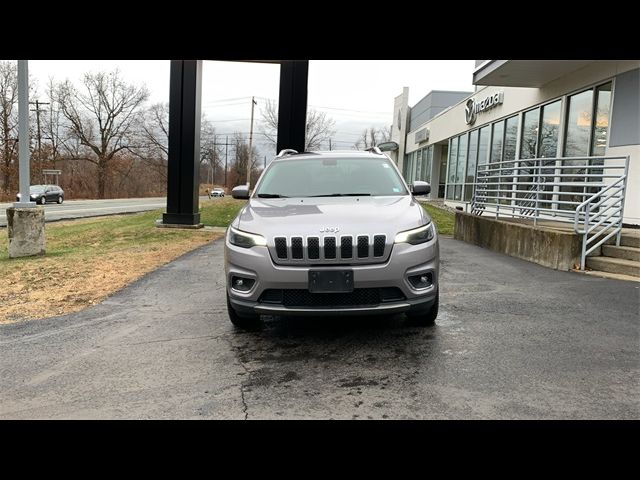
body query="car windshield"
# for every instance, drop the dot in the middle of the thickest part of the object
(36, 189)
(329, 177)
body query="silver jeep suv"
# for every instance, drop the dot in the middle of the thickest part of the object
(331, 233)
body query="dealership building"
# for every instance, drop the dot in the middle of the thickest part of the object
(541, 124)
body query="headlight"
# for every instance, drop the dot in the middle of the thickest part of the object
(417, 235)
(245, 239)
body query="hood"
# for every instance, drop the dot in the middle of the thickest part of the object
(338, 215)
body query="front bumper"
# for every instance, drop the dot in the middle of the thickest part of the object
(405, 260)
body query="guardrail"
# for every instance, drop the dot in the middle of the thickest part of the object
(586, 191)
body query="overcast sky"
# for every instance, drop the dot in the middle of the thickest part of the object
(355, 93)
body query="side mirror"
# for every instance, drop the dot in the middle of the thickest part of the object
(241, 192)
(420, 188)
(388, 146)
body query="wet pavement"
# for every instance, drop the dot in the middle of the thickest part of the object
(513, 340)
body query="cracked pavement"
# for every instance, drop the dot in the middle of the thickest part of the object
(513, 340)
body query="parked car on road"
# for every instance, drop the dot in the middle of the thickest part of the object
(42, 194)
(332, 233)
(216, 192)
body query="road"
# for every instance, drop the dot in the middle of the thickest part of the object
(513, 340)
(92, 208)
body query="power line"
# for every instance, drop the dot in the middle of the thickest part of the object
(229, 99)
(334, 108)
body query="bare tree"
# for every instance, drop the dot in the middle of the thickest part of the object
(102, 117)
(52, 125)
(8, 120)
(238, 173)
(372, 137)
(153, 148)
(319, 128)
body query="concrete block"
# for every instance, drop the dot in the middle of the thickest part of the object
(545, 246)
(25, 229)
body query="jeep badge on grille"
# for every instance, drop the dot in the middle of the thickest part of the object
(329, 230)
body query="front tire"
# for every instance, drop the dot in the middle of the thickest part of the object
(244, 321)
(60, 200)
(425, 318)
(43, 200)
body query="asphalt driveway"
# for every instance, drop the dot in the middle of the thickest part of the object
(513, 340)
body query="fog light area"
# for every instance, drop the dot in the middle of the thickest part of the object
(242, 284)
(422, 280)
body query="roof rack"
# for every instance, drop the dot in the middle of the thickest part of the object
(286, 151)
(374, 150)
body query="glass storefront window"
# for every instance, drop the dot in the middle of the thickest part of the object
(427, 160)
(453, 159)
(529, 146)
(579, 124)
(483, 145)
(601, 127)
(462, 163)
(442, 179)
(471, 165)
(510, 137)
(462, 158)
(496, 142)
(549, 132)
(406, 167)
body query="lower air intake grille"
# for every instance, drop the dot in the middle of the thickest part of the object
(360, 297)
(304, 298)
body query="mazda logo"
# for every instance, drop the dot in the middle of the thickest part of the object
(470, 111)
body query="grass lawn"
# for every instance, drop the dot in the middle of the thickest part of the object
(89, 259)
(443, 219)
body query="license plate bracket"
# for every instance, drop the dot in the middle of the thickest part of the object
(330, 281)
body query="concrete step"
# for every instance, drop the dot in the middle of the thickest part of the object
(614, 265)
(615, 276)
(628, 240)
(630, 253)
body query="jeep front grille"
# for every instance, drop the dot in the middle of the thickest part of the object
(281, 247)
(330, 249)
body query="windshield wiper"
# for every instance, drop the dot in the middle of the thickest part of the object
(271, 195)
(344, 195)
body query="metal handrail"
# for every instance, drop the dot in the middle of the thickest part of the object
(542, 188)
(592, 198)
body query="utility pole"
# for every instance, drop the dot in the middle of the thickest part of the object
(215, 150)
(226, 156)
(253, 102)
(23, 135)
(37, 110)
(329, 144)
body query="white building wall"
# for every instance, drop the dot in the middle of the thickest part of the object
(632, 199)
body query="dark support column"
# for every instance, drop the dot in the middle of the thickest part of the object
(184, 143)
(292, 111)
